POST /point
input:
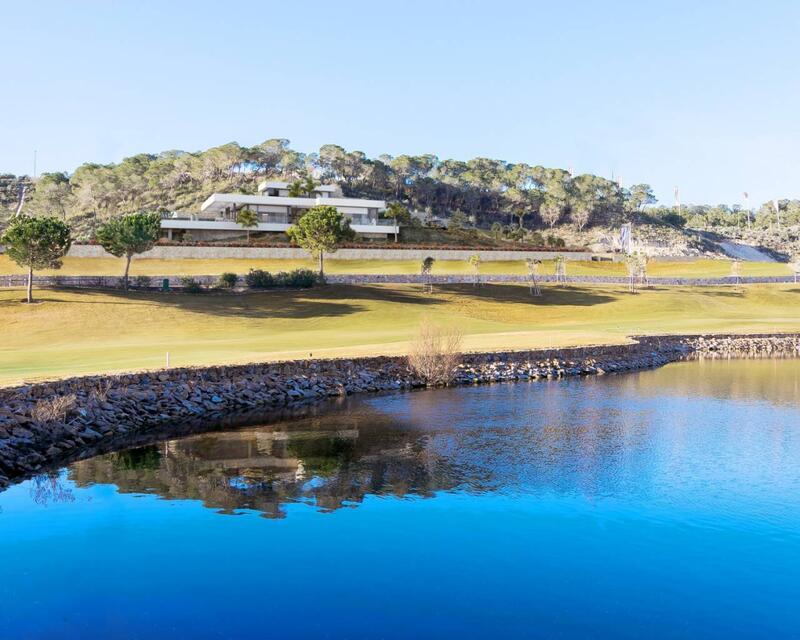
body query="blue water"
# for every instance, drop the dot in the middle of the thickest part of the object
(663, 504)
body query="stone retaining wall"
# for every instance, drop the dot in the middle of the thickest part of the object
(172, 252)
(175, 282)
(36, 434)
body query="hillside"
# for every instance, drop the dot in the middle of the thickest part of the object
(482, 200)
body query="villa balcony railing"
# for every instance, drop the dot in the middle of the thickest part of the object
(275, 218)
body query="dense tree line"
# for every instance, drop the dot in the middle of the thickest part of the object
(724, 216)
(483, 190)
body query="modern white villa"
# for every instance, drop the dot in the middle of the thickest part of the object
(276, 211)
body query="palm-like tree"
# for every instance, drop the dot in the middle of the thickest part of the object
(303, 187)
(247, 219)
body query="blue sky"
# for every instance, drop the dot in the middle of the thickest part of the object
(698, 94)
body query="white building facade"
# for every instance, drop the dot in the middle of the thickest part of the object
(276, 211)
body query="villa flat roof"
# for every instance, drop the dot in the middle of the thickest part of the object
(217, 202)
(276, 184)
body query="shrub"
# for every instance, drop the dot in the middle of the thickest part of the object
(259, 279)
(190, 285)
(536, 238)
(54, 409)
(142, 282)
(555, 241)
(458, 220)
(512, 232)
(297, 279)
(435, 353)
(227, 280)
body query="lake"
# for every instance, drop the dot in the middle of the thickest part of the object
(659, 504)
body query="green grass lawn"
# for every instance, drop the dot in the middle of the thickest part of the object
(79, 332)
(111, 266)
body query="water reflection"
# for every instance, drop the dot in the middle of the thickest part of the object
(776, 381)
(646, 435)
(661, 504)
(50, 488)
(331, 462)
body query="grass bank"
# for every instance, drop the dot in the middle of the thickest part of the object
(113, 267)
(80, 332)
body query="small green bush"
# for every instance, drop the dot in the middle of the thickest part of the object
(259, 279)
(227, 280)
(142, 282)
(298, 279)
(190, 285)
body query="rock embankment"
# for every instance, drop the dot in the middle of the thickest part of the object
(50, 423)
(755, 346)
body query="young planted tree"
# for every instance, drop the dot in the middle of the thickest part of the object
(36, 243)
(426, 270)
(736, 270)
(637, 270)
(128, 235)
(632, 263)
(561, 269)
(533, 273)
(321, 230)
(794, 265)
(475, 263)
(247, 219)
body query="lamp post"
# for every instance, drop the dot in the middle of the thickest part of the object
(747, 207)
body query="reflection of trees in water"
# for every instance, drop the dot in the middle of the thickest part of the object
(486, 441)
(591, 437)
(50, 488)
(328, 461)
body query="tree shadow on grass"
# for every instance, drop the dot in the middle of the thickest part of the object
(727, 293)
(274, 304)
(567, 296)
(320, 302)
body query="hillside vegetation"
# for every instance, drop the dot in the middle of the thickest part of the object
(516, 201)
(481, 188)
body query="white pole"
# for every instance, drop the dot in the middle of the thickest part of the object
(167, 359)
(747, 207)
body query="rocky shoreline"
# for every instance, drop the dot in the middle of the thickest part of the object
(47, 424)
